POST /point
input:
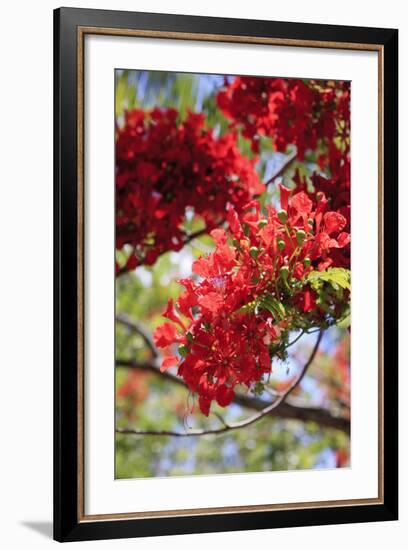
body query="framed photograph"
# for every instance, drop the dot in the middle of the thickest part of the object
(225, 274)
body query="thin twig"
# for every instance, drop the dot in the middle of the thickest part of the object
(295, 340)
(221, 419)
(279, 172)
(139, 329)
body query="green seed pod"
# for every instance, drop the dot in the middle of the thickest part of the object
(183, 350)
(281, 244)
(300, 236)
(284, 272)
(283, 216)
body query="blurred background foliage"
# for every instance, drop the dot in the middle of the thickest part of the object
(150, 401)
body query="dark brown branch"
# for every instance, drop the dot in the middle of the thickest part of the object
(195, 235)
(153, 367)
(287, 410)
(279, 172)
(320, 416)
(272, 408)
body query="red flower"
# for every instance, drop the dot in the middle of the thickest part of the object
(164, 335)
(302, 204)
(235, 314)
(243, 303)
(333, 222)
(172, 314)
(168, 362)
(224, 395)
(312, 115)
(163, 167)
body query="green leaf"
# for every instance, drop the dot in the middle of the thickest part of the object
(248, 308)
(337, 277)
(183, 350)
(345, 322)
(272, 305)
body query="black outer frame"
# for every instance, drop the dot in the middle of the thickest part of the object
(66, 524)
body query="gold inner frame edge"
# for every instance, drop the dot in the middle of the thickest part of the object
(81, 33)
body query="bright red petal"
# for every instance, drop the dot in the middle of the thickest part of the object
(219, 236)
(172, 314)
(284, 196)
(211, 301)
(168, 362)
(164, 335)
(302, 203)
(334, 222)
(224, 396)
(204, 403)
(200, 267)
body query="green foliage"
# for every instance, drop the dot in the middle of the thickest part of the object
(274, 306)
(337, 277)
(125, 94)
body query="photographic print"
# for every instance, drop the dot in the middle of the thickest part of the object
(207, 172)
(233, 275)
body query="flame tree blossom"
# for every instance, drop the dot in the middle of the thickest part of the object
(269, 273)
(305, 113)
(313, 115)
(163, 167)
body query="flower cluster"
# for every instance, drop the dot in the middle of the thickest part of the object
(165, 166)
(266, 276)
(313, 115)
(290, 111)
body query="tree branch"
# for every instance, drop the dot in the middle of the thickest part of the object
(278, 407)
(320, 416)
(279, 172)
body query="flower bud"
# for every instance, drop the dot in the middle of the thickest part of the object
(262, 223)
(254, 252)
(183, 350)
(281, 244)
(306, 262)
(300, 236)
(283, 216)
(284, 272)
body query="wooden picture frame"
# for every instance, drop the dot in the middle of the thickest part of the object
(70, 520)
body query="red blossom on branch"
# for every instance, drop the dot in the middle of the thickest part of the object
(312, 115)
(238, 308)
(165, 166)
(236, 311)
(291, 111)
